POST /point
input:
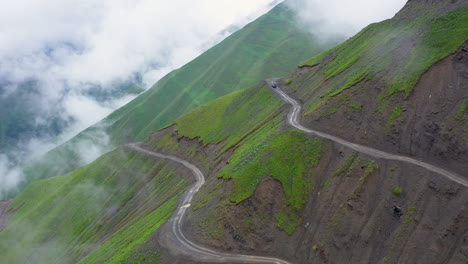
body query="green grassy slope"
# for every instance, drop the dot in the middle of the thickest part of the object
(269, 46)
(397, 51)
(248, 122)
(103, 211)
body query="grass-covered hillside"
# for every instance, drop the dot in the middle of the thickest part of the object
(246, 128)
(399, 85)
(101, 213)
(270, 46)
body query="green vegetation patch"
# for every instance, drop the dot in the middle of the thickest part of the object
(348, 166)
(249, 120)
(230, 118)
(394, 115)
(397, 190)
(316, 59)
(461, 111)
(402, 231)
(287, 156)
(123, 244)
(369, 167)
(356, 106)
(351, 80)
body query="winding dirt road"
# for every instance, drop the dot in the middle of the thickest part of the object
(203, 254)
(189, 248)
(293, 119)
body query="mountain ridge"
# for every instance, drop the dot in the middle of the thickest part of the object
(272, 190)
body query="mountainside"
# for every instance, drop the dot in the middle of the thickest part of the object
(95, 214)
(399, 85)
(273, 189)
(282, 193)
(269, 46)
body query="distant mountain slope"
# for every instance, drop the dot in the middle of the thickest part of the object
(269, 46)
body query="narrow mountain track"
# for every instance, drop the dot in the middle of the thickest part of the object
(200, 253)
(293, 119)
(190, 248)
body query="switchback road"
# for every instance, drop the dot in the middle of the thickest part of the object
(293, 119)
(204, 254)
(190, 248)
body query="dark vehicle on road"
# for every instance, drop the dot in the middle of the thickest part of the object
(274, 84)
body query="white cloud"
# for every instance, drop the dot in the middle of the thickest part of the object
(101, 41)
(331, 18)
(94, 146)
(10, 176)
